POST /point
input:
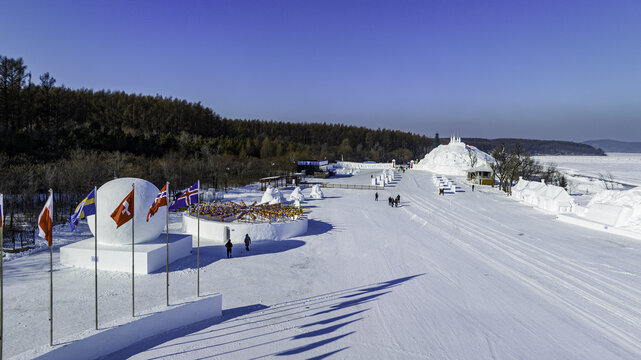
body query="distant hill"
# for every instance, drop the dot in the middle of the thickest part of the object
(615, 146)
(536, 147)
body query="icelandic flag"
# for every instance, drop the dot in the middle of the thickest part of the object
(86, 207)
(161, 200)
(186, 198)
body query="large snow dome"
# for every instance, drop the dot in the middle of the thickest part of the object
(109, 197)
(453, 159)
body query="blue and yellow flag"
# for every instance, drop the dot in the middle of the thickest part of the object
(86, 207)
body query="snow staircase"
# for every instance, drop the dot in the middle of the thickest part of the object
(442, 182)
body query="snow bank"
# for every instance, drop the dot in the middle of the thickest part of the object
(316, 193)
(357, 165)
(345, 171)
(616, 208)
(453, 159)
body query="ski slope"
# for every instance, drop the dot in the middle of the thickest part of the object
(473, 275)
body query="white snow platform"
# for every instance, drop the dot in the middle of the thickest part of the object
(148, 256)
(127, 332)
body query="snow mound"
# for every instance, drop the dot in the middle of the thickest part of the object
(453, 159)
(296, 195)
(623, 208)
(316, 193)
(272, 196)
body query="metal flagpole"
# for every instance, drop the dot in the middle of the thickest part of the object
(198, 250)
(133, 225)
(51, 280)
(1, 275)
(95, 250)
(167, 187)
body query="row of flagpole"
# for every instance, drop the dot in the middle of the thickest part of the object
(121, 215)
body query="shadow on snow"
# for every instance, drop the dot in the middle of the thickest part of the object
(304, 321)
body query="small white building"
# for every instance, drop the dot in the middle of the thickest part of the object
(480, 174)
(548, 197)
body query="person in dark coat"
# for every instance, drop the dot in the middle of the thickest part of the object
(398, 199)
(228, 245)
(376, 196)
(248, 241)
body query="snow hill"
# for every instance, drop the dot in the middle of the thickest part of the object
(453, 159)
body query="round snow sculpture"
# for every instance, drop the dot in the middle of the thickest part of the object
(109, 197)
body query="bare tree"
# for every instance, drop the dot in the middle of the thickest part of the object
(608, 180)
(473, 156)
(499, 166)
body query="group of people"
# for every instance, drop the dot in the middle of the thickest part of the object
(393, 202)
(229, 245)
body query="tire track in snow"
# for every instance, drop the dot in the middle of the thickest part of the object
(617, 307)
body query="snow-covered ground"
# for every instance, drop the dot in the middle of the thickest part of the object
(472, 275)
(584, 172)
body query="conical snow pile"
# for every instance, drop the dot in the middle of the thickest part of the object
(296, 195)
(316, 193)
(272, 196)
(453, 159)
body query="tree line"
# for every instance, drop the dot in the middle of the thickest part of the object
(71, 140)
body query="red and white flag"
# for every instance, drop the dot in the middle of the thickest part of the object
(45, 221)
(125, 211)
(161, 200)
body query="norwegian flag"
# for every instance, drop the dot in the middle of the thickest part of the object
(186, 198)
(161, 200)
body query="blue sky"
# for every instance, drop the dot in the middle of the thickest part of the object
(568, 70)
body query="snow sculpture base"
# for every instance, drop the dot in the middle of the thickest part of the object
(148, 256)
(211, 232)
(126, 332)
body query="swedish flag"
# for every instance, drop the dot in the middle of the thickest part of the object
(86, 207)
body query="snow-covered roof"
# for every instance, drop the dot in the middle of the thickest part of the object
(485, 167)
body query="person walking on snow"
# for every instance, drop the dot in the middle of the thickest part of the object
(376, 196)
(228, 245)
(248, 241)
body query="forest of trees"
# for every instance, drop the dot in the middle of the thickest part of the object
(536, 147)
(74, 139)
(71, 140)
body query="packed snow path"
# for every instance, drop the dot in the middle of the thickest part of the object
(470, 275)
